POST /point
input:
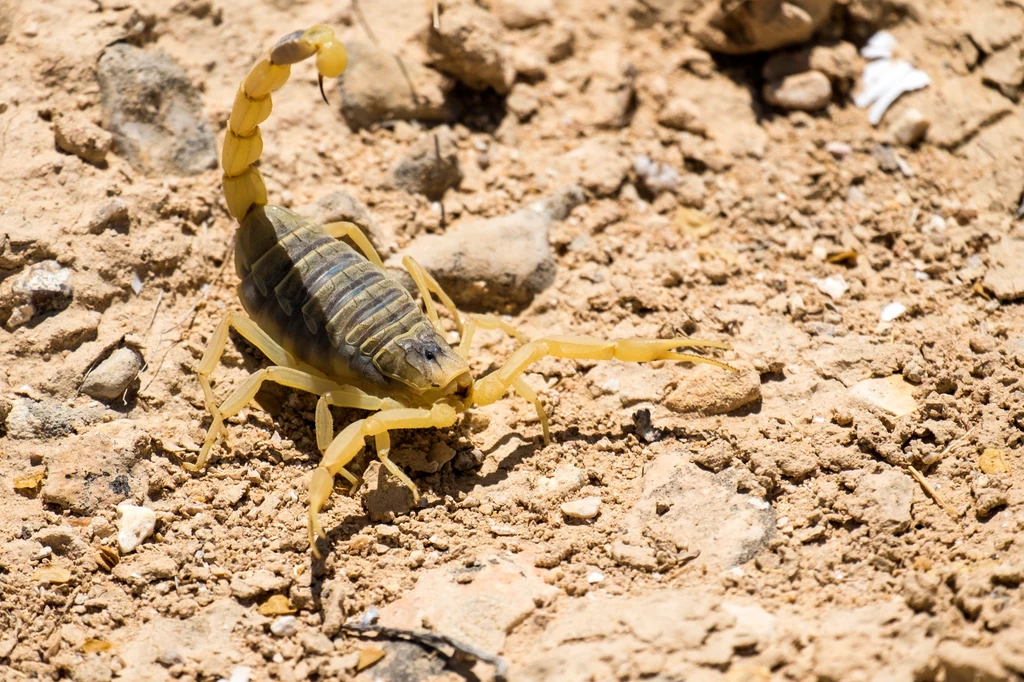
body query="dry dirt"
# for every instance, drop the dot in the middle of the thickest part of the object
(788, 522)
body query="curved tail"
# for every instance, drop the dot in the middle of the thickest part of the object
(243, 184)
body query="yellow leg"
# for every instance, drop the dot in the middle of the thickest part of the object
(343, 229)
(427, 285)
(345, 397)
(474, 322)
(214, 350)
(350, 441)
(492, 387)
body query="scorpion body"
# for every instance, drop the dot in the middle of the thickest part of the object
(334, 323)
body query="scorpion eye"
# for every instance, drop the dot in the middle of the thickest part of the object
(429, 355)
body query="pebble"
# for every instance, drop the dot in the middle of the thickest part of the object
(259, 583)
(884, 500)
(656, 177)
(807, 91)
(375, 88)
(284, 626)
(77, 135)
(611, 91)
(44, 287)
(709, 390)
(893, 311)
(111, 215)
(586, 508)
(909, 128)
(430, 166)
(892, 394)
(1005, 278)
(524, 13)
(60, 538)
(834, 287)
(173, 137)
(839, 150)
(596, 165)
(112, 377)
(240, 673)
(749, 28)
(470, 45)
(134, 526)
(681, 113)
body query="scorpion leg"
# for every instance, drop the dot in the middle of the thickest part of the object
(343, 229)
(492, 387)
(346, 396)
(214, 350)
(350, 441)
(426, 283)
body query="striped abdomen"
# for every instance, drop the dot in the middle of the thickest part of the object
(322, 300)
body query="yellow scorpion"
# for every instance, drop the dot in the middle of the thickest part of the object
(334, 323)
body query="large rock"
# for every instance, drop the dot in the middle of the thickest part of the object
(470, 45)
(744, 28)
(377, 86)
(495, 263)
(1005, 278)
(154, 112)
(685, 509)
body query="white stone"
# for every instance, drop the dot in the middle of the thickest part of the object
(285, 626)
(135, 525)
(587, 508)
(834, 287)
(892, 311)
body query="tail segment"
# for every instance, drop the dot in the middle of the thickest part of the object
(243, 145)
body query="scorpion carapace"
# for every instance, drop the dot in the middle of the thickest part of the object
(333, 321)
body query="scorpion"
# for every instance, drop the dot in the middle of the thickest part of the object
(333, 322)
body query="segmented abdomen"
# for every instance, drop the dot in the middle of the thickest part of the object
(319, 298)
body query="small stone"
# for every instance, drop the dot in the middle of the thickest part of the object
(920, 590)
(259, 583)
(384, 496)
(681, 113)
(467, 460)
(470, 45)
(807, 91)
(524, 13)
(611, 91)
(134, 526)
(60, 538)
(709, 390)
(656, 177)
(375, 87)
(1005, 278)
(430, 166)
(111, 215)
(284, 626)
(316, 643)
(893, 311)
(839, 150)
(959, 663)
(596, 165)
(44, 287)
(884, 501)
(834, 287)
(154, 111)
(909, 128)
(990, 494)
(892, 394)
(76, 135)
(586, 508)
(144, 568)
(240, 673)
(641, 558)
(112, 377)
(522, 101)
(746, 28)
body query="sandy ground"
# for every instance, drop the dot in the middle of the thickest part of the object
(845, 507)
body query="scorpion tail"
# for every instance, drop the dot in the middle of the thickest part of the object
(243, 184)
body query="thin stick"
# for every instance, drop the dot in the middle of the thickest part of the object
(436, 641)
(932, 492)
